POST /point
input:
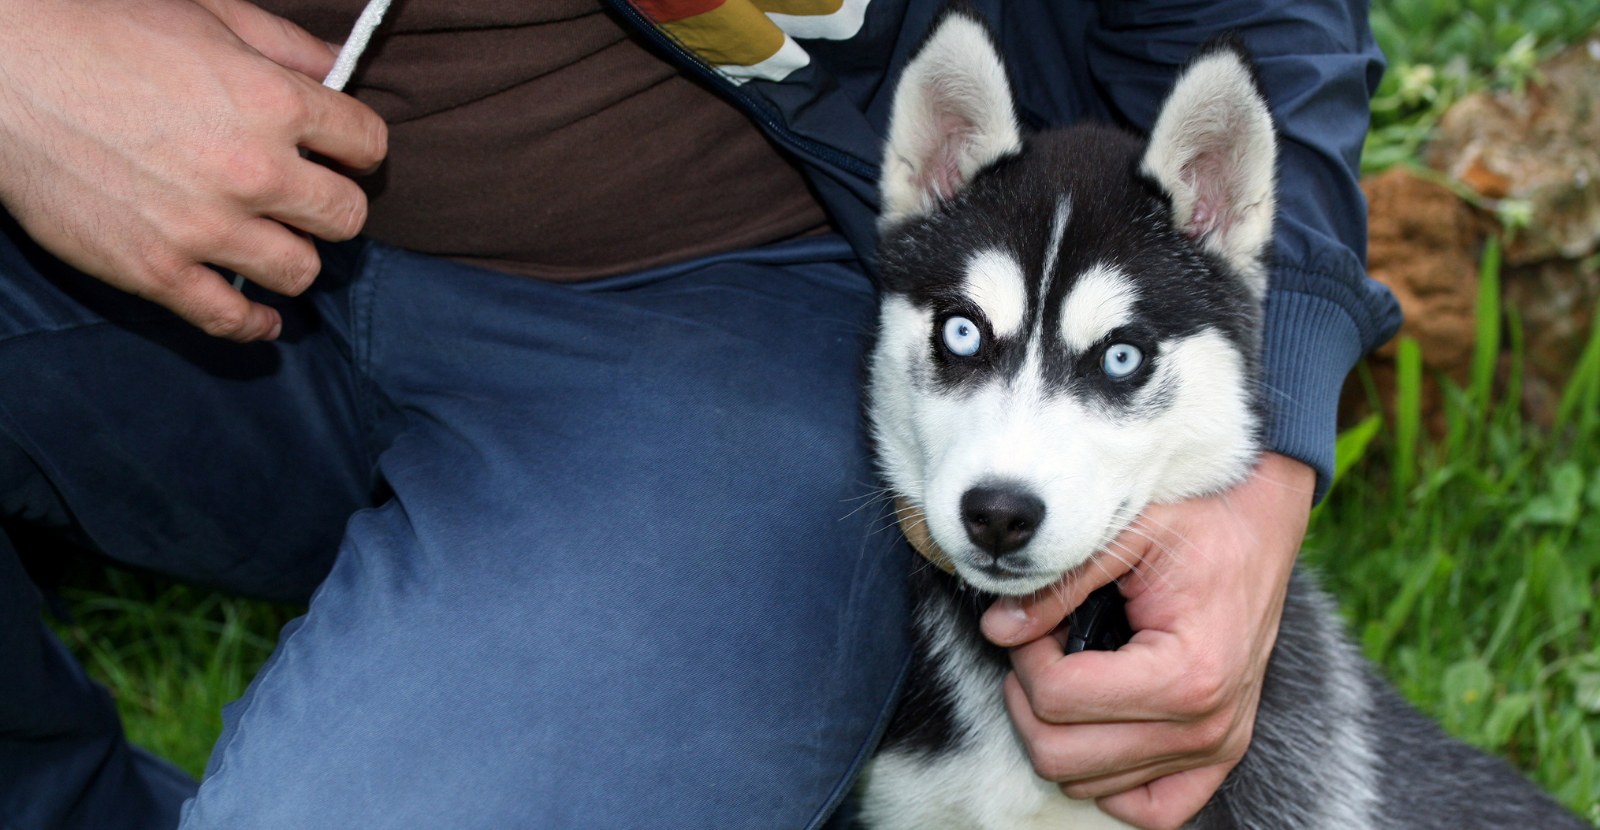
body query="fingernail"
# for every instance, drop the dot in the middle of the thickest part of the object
(1005, 620)
(276, 328)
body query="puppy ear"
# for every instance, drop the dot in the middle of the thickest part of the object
(1213, 151)
(952, 115)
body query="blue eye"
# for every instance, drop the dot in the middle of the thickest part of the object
(1122, 360)
(961, 336)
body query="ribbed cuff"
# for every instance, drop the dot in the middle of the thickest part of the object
(1308, 347)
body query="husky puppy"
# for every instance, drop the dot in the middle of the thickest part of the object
(1070, 331)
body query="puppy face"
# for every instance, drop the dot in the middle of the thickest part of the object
(1065, 338)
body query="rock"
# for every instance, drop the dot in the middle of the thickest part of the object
(1556, 301)
(1541, 148)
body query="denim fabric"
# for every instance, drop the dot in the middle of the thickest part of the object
(615, 558)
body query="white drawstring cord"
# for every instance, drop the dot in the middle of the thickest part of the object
(345, 65)
(354, 45)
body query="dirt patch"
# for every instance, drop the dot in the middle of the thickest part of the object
(1424, 243)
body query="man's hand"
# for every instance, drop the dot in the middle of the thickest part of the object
(1152, 729)
(142, 138)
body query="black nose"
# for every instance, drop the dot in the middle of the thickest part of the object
(1000, 519)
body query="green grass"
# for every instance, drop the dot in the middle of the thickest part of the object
(1468, 566)
(171, 655)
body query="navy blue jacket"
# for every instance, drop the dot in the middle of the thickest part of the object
(817, 76)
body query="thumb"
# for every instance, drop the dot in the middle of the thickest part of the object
(1012, 621)
(277, 39)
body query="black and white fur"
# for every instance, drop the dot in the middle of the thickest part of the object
(1057, 248)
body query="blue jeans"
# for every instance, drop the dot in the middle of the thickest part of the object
(594, 556)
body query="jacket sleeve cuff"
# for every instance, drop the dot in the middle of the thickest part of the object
(1309, 344)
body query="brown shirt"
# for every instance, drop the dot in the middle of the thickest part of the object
(542, 138)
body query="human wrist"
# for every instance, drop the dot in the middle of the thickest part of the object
(1279, 492)
(1291, 472)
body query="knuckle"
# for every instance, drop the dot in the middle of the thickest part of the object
(1242, 734)
(256, 176)
(225, 322)
(301, 271)
(1048, 766)
(151, 283)
(1209, 736)
(162, 277)
(375, 142)
(1205, 691)
(352, 216)
(1050, 701)
(281, 28)
(283, 99)
(199, 235)
(1081, 792)
(1050, 710)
